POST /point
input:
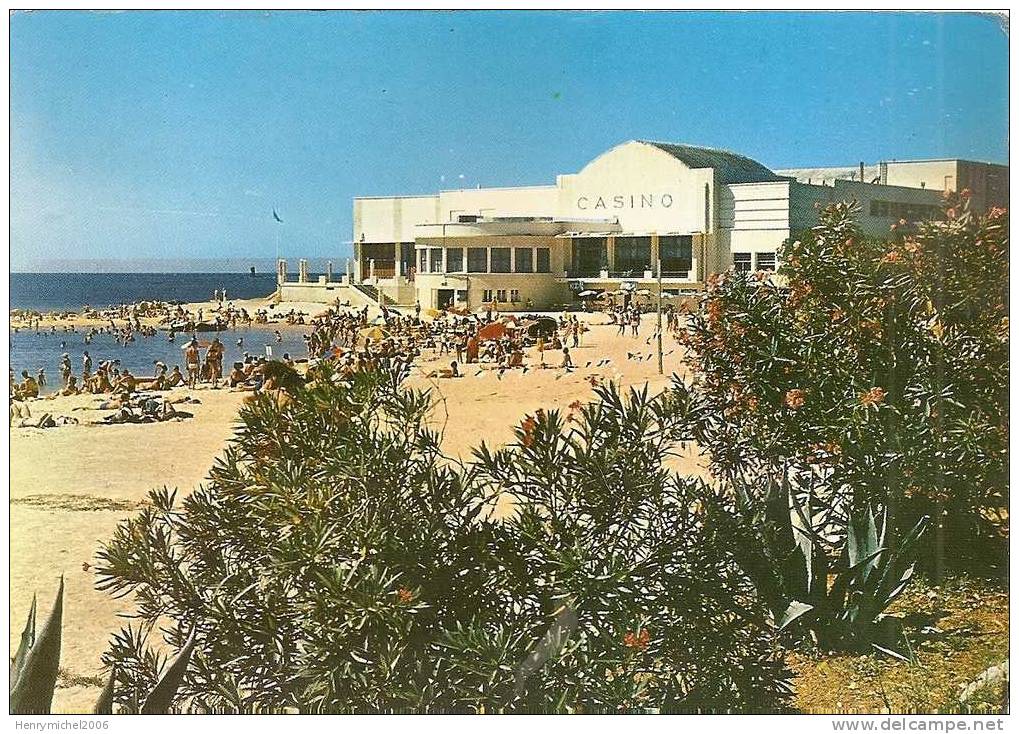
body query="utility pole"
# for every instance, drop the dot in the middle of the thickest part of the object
(661, 369)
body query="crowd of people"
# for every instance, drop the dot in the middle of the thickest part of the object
(350, 339)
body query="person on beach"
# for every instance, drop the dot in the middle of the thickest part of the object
(192, 362)
(567, 361)
(29, 387)
(127, 383)
(214, 357)
(86, 367)
(71, 388)
(237, 376)
(65, 369)
(41, 378)
(175, 377)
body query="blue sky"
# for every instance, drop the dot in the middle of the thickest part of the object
(172, 135)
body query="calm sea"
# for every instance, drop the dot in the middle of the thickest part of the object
(49, 292)
(71, 291)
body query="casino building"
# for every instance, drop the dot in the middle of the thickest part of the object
(643, 205)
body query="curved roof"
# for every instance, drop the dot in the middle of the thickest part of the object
(731, 167)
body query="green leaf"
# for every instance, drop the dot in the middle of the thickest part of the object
(104, 705)
(27, 640)
(33, 692)
(161, 696)
(794, 611)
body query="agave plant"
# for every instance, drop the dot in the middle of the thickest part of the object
(836, 587)
(36, 664)
(37, 661)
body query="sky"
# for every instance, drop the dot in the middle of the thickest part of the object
(149, 136)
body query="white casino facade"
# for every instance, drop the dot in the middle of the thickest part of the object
(694, 210)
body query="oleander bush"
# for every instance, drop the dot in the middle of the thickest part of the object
(860, 393)
(336, 561)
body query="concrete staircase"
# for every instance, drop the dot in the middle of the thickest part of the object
(374, 294)
(370, 291)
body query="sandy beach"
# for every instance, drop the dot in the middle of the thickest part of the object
(71, 485)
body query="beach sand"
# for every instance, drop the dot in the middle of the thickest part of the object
(77, 320)
(71, 485)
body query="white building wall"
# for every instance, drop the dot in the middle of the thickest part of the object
(756, 206)
(933, 175)
(392, 219)
(523, 201)
(642, 186)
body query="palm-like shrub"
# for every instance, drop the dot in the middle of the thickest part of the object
(336, 561)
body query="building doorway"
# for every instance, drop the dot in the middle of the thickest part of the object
(444, 298)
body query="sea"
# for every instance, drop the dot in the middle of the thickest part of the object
(32, 351)
(72, 291)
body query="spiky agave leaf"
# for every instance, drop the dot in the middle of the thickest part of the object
(105, 703)
(27, 640)
(33, 691)
(159, 700)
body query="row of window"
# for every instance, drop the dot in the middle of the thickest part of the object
(591, 254)
(503, 260)
(500, 295)
(909, 212)
(743, 261)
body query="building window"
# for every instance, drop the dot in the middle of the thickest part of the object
(590, 256)
(406, 256)
(766, 261)
(676, 254)
(633, 254)
(435, 260)
(477, 260)
(467, 218)
(515, 295)
(455, 260)
(543, 261)
(486, 295)
(524, 260)
(897, 210)
(501, 260)
(741, 262)
(422, 261)
(500, 295)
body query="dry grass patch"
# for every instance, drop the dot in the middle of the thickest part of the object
(956, 632)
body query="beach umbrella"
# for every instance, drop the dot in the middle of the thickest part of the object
(588, 294)
(542, 326)
(373, 333)
(492, 331)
